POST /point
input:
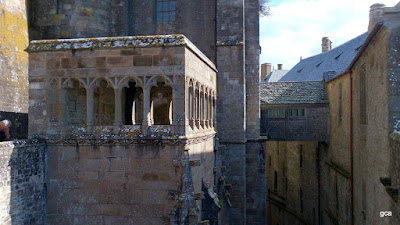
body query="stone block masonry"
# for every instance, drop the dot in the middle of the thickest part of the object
(22, 182)
(14, 66)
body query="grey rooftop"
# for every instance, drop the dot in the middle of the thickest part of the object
(275, 75)
(334, 61)
(293, 93)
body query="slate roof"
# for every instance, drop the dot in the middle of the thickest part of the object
(336, 61)
(293, 93)
(275, 75)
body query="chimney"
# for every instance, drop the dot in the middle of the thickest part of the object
(376, 13)
(280, 66)
(265, 70)
(326, 44)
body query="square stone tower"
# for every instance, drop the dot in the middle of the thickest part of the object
(227, 32)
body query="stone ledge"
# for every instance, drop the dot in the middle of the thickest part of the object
(21, 143)
(118, 42)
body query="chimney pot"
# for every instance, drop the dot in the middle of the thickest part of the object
(326, 44)
(376, 13)
(280, 66)
(265, 70)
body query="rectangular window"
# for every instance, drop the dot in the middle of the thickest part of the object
(270, 114)
(165, 11)
(301, 155)
(276, 113)
(302, 112)
(296, 113)
(282, 113)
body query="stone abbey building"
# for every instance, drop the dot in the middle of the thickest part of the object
(140, 112)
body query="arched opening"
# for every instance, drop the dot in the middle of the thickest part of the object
(75, 94)
(161, 103)
(103, 104)
(132, 104)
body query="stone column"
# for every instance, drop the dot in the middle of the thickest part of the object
(89, 108)
(118, 109)
(63, 109)
(146, 109)
(193, 116)
(201, 97)
(198, 108)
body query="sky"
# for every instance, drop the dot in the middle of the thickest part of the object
(296, 27)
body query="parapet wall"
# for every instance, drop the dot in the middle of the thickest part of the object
(22, 182)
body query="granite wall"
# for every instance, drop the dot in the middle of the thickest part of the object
(23, 182)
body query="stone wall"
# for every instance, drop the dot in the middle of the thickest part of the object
(312, 127)
(112, 184)
(371, 142)
(394, 111)
(14, 66)
(22, 182)
(79, 19)
(336, 170)
(124, 184)
(292, 171)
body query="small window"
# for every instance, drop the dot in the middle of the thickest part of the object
(270, 114)
(282, 113)
(302, 113)
(296, 113)
(276, 180)
(301, 155)
(276, 113)
(165, 11)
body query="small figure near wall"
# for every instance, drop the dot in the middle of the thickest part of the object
(5, 130)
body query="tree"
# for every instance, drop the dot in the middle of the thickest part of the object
(265, 8)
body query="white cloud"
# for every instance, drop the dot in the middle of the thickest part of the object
(297, 26)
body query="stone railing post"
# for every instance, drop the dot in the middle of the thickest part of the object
(146, 109)
(89, 108)
(118, 109)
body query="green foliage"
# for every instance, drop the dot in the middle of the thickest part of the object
(265, 8)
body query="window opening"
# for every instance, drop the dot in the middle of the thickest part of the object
(161, 103)
(76, 104)
(103, 104)
(132, 104)
(165, 11)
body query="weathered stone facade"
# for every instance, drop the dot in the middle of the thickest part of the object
(23, 182)
(82, 90)
(365, 147)
(14, 66)
(293, 181)
(143, 163)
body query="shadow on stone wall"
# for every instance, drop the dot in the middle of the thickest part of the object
(22, 182)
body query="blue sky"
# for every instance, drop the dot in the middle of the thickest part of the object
(296, 27)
